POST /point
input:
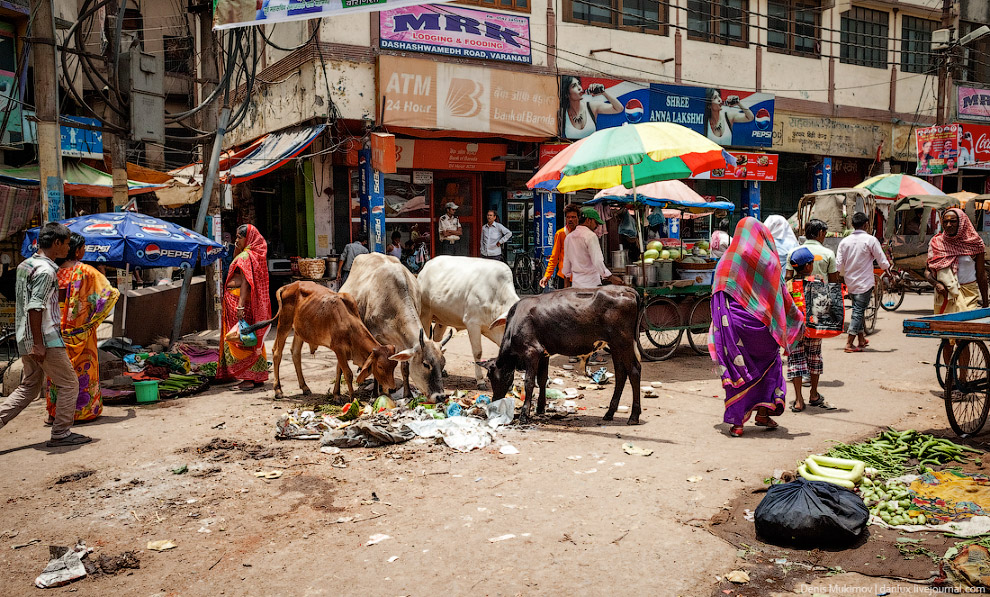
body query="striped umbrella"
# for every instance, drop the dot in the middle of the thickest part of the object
(630, 155)
(897, 186)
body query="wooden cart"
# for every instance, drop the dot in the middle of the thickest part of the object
(966, 377)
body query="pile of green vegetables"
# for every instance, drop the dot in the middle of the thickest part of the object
(178, 383)
(890, 451)
(890, 501)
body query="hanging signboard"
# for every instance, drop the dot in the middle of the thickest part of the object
(749, 166)
(972, 103)
(938, 150)
(974, 146)
(454, 31)
(228, 14)
(427, 94)
(730, 118)
(822, 135)
(81, 143)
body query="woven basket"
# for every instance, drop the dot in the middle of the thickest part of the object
(312, 268)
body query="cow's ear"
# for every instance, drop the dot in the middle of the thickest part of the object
(499, 321)
(366, 368)
(404, 355)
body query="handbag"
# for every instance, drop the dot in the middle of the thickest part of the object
(824, 311)
(238, 333)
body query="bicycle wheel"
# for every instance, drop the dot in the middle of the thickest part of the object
(660, 329)
(522, 273)
(940, 367)
(967, 389)
(698, 323)
(891, 292)
(870, 313)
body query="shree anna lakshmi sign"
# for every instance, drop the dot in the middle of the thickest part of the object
(427, 94)
(454, 31)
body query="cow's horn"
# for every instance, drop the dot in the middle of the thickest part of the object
(421, 341)
(450, 335)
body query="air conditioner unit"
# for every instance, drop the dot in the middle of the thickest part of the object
(941, 38)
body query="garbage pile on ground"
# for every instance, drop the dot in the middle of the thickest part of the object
(466, 422)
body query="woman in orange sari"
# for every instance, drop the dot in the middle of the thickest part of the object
(86, 299)
(246, 299)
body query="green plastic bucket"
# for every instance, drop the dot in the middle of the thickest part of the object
(147, 391)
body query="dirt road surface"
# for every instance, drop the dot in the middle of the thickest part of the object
(570, 514)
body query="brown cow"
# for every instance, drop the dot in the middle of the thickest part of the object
(321, 317)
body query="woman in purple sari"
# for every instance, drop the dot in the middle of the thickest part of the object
(753, 317)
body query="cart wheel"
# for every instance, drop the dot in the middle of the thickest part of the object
(660, 329)
(891, 292)
(940, 365)
(967, 389)
(522, 272)
(698, 323)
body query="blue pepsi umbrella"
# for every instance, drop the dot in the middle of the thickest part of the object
(125, 238)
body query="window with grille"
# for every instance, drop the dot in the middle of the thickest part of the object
(794, 26)
(178, 54)
(516, 5)
(718, 21)
(638, 15)
(916, 45)
(864, 37)
(974, 61)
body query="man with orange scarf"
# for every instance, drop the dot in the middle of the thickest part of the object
(246, 299)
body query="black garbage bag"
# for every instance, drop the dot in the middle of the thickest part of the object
(815, 513)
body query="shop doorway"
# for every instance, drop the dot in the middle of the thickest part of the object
(463, 190)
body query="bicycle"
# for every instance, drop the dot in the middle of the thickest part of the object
(528, 270)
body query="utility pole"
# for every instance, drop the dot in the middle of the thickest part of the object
(210, 77)
(46, 106)
(944, 64)
(117, 143)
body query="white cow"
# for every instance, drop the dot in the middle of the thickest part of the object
(467, 293)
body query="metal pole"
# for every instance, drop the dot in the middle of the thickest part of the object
(204, 204)
(944, 65)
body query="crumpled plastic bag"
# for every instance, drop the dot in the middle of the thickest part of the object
(501, 412)
(460, 433)
(970, 568)
(65, 566)
(365, 434)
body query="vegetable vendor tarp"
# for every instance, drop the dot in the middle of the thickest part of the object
(80, 180)
(127, 238)
(228, 14)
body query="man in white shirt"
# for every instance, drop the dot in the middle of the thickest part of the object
(855, 258)
(493, 236)
(450, 230)
(583, 259)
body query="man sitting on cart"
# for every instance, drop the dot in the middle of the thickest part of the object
(957, 268)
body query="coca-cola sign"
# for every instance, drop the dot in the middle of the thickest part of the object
(974, 146)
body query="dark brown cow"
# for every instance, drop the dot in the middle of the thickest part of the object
(568, 322)
(321, 317)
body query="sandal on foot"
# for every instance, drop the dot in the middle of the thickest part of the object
(820, 403)
(73, 439)
(767, 422)
(736, 431)
(795, 409)
(853, 349)
(246, 386)
(49, 422)
(864, 343)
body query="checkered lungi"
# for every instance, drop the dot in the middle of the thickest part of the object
(806, 358)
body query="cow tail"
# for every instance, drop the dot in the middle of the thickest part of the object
(263, 324)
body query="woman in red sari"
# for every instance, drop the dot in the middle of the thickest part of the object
(246, 298)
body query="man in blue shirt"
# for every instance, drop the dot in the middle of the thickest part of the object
(493, 236)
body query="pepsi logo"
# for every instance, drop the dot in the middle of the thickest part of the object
(104, 228)
(152, 252)
(155, 230)
(763, 120)
(634, 111)
(377, 209)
